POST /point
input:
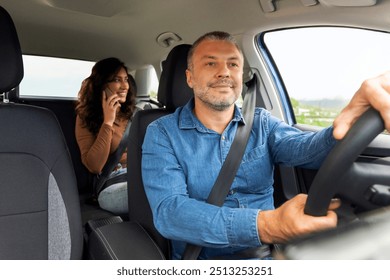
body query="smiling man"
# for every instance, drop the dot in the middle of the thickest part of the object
(216, 78)
(183, 154)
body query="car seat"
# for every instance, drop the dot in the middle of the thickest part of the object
(138, 239)
(173, 92)
(39, 204)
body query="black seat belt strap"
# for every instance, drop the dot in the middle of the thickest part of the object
(232, 162)
(112, 160)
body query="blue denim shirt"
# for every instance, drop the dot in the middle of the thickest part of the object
(181, 160)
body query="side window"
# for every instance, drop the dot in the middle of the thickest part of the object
(51, 77)
(322, 67)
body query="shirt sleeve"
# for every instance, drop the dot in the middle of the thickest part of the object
(179, 217)
(293, 147)
(94, 149)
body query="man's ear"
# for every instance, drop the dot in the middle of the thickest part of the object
(189, 78)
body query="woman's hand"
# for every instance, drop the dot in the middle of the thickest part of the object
(110, 106)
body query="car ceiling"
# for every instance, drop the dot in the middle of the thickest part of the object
(128, 29)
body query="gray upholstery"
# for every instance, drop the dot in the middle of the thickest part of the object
(39, 206)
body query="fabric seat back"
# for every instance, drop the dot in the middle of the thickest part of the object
(39, 206)
(173, 92)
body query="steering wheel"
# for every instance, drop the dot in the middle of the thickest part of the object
(364, 184)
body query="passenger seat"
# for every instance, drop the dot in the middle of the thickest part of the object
(39, 204)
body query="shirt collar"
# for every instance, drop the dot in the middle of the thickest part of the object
(187, 119)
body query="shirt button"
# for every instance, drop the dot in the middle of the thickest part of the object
(232, 192)
(223, 137)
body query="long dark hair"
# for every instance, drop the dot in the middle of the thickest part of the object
(89, 104)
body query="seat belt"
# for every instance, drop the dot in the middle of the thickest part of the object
(232, 162)
(112, 160)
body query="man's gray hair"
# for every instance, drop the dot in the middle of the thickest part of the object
(211, 36)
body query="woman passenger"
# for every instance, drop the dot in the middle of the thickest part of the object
(106, 102)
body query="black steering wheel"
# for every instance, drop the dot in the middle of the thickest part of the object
(361, 183)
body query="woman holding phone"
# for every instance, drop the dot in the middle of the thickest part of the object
(106, 102)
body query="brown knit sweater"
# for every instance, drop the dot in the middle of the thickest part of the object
(96, 149)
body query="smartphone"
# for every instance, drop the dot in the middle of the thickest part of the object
(108, 92)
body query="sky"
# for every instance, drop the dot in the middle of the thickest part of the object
(328, 62)
(53, 76)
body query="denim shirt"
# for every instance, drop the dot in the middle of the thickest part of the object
(181, 160)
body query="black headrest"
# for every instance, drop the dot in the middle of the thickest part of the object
(11, 62)
(173, 90)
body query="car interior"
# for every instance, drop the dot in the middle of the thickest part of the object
(45, 207)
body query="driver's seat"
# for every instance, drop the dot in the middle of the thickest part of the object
(173, 92)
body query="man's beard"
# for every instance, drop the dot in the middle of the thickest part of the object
(216, 104)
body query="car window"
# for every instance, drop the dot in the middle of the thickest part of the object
(53, 77)
(322, 67)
